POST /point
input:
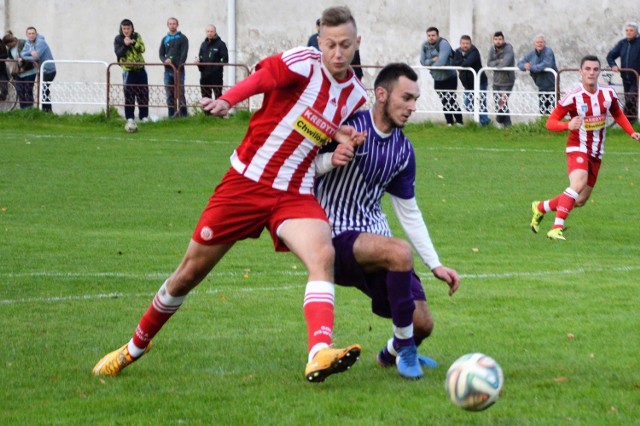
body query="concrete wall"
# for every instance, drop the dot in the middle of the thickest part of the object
(78, 29)
(391, 30)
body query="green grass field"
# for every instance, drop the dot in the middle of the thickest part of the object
(92, 220)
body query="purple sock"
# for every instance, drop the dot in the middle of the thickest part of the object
(400, 298)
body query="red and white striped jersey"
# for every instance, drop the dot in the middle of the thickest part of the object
(299, 115)
(593, 108)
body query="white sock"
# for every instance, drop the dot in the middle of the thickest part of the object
(135, 351)
(390, 347)
(315, 349)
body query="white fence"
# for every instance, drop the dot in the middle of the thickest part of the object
(523, 102)
(90, 94)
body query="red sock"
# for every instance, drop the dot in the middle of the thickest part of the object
(553, 205)
(318, 312)
(162, 308)
(566, 201)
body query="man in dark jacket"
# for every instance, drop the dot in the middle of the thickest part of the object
(212, 51)
(628, 50)
(4, 75)
(173, 53)
(467, 55)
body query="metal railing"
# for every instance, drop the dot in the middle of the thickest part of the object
(98, 88)
(522, 101)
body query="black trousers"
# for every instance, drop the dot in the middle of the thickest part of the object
(446, 90)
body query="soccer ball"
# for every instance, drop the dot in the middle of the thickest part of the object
(130, 126)
(474, 382)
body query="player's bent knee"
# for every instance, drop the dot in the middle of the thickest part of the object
(400, 256)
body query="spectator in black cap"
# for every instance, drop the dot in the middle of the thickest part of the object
(313, 40)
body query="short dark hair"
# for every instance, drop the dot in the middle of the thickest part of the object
(589, 58)
(390, 74)
(433, 29)
(9, 37)
(338, 15)
(465, 37)
(498, 34)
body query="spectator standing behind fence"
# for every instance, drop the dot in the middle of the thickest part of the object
(4, 75)
(37, 49)
(628, 50)
(24, 72)
(129, 47)
(212, 51)
(500, 56)
(468, 56)
(437, 52)
(173, 51)
(535, 62)
(313, 40)
(355, 63)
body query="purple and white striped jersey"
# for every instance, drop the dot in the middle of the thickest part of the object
(351, 195)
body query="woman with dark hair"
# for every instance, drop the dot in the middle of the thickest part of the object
(23, 72)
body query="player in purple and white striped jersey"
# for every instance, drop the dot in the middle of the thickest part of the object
(350, 186)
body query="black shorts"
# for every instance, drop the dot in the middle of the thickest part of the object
(348, 273)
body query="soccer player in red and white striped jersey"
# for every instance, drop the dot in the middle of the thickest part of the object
(587, 106)
(307, 96)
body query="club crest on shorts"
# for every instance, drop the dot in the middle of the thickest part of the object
(206, 233)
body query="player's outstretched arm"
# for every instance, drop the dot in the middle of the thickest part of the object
(449, 276)
(260, 81)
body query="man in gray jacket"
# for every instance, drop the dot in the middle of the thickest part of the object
(535, 62)
(437, 52)
(501, 55)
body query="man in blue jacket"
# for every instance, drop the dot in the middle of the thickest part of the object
(37, 49)
(628, 50)
(173, 53)
(535, 62)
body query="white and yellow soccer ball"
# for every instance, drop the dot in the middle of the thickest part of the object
(474, 382)
(130, 126)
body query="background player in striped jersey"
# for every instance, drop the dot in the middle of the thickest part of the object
(308, 94)
(588, 106)
(350, 188)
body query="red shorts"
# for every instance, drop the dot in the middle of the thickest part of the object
(582, 161)
(241, 208)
